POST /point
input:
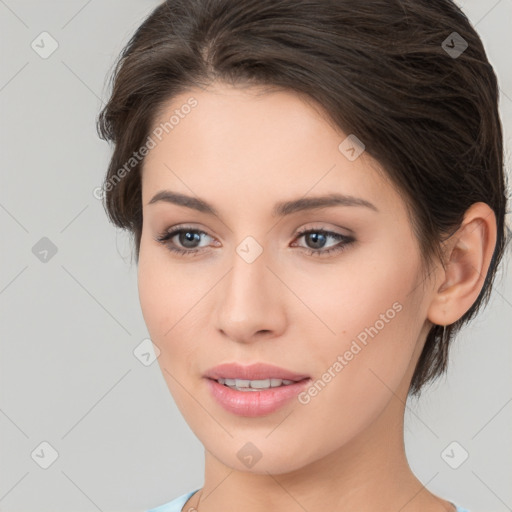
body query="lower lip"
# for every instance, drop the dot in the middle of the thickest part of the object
(254, 403)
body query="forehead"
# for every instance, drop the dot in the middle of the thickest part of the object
(253, 143)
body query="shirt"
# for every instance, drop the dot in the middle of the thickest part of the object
(177, 504)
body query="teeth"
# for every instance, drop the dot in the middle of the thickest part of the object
(260, 384)
(239, 383)
(254, 385)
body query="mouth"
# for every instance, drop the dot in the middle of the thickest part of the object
(254, 390)
(255, 385)
(260, 374)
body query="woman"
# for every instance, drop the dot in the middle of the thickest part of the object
(317, 199)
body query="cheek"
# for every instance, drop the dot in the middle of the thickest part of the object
(153, 295)
(169, 297)
(356, 380)
(162, 307)
(359, 291)
(161, 300)
(374, 317)
(162, 290)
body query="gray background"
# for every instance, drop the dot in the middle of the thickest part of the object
(69, 325)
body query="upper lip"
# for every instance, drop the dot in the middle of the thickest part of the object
(255, 371)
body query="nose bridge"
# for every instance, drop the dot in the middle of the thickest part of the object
(247, 302)
(247, 283)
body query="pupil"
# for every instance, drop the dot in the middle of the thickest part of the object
(189, 237)
(315, 237)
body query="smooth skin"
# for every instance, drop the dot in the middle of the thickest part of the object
(243, 150)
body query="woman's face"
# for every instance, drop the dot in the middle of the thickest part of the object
(346, 309)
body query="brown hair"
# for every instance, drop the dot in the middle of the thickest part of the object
(389, 71)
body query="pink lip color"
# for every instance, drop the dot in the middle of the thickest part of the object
(255, 371)
(253, 403)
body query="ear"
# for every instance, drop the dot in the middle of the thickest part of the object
(468, 256)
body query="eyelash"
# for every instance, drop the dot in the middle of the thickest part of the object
(166, 236)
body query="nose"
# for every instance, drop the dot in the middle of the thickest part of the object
(250, 301)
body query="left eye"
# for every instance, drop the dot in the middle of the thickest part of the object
(188, 238)
(319, 236)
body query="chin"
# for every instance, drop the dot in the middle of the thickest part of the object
(257, 454)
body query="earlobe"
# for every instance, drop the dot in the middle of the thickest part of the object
(469, 253)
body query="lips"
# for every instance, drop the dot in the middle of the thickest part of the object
(245, 390)
(256, 371)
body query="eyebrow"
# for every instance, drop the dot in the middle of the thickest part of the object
(280, 209)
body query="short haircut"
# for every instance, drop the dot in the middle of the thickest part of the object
(410, 78)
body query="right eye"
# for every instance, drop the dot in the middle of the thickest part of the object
(185, 236)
